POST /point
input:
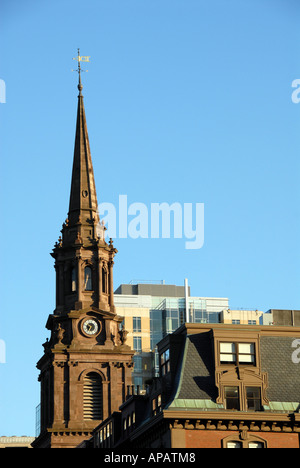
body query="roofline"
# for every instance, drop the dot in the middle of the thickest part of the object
(230, 415)
(220, 416)
(193, 328)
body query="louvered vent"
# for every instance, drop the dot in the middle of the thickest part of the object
(92, 396)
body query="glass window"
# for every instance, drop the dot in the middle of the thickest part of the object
(234, 444)
(156, 327)
(253, 398)
(237, 353)
(256, 445)
(88, 278)
(246, 353)
(164, 357)
(137, 343)
(156, 405)
(165, 362)
(171, 320)
(137, 324)
(232, 398)
(227, 352)
(138, 361)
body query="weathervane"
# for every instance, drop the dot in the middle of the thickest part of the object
(80, 58)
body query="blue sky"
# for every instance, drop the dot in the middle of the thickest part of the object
(187, 101)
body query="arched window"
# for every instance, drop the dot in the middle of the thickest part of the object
(88, 286)
(92, 397)
(73, 280)
(104, 280)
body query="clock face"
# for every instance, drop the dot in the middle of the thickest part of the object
(90, 327)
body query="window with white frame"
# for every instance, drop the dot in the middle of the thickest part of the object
(137, 343)
(237, 353)
(137, 327)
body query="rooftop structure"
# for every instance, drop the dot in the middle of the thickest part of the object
(152, 311)
(218, 387)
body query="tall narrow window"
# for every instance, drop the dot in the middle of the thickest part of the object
(137, 343)
(88, 279)
(73, 280)
(232, 398)
(92, 397)
(137, 327)
(165, 362)
(104, 280)
(138, 363)
(253, 399)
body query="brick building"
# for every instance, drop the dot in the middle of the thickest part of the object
(219, 387)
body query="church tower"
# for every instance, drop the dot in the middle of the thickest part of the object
(86, 367)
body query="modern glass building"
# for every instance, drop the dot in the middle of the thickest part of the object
(170, 314)
(151, 311)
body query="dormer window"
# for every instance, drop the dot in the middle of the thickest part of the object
(88, 279)
(253, 395)
(243, 398)
(237, 353)
(241, 383)
(232, 398)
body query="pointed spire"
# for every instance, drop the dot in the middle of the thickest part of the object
(83, 207)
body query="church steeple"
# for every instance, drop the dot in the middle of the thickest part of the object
(82, 253)
(86, 366)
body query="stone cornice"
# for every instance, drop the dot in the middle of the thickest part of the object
(234, 421)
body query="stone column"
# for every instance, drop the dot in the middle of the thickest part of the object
(79, 281)
(58, 386)
(100, 263)
(111, 284)
(106, 399)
